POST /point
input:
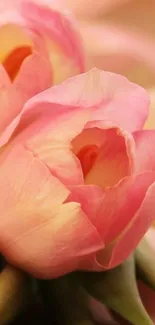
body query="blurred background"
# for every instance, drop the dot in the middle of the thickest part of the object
(119, 35)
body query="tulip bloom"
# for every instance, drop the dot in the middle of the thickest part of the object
(39, 42)
(77, 176)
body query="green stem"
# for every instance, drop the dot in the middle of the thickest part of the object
(145, 262)
(117, 289)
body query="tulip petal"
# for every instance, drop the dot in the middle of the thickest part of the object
(150, 122)
(8, 99)
(47, 129)
(14, 96)
(61, 39)
(38, 232)
(114, 161)
(115, 150)
(145, 148)
(126, 222)
(34, 76)
(90, 197)
(120, 224)
(12, 35)
(112, 97)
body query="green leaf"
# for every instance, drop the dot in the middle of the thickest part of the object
(145, 263)
(117, 289)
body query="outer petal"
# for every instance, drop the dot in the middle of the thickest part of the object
(113, 98)
(145, 150)
(9, 101)
(47, 131)
(38, 232)
(90, 197)
(121, 215)
(135, 219)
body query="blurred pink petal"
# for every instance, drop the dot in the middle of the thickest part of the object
(150, 122)
(26, 57)
(57, 27)
(14, 95)
(55, 35)
(32, 70)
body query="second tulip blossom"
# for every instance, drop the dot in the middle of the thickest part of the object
(36, 36)
(77, 177)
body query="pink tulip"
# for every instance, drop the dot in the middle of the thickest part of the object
(77, 175)
(37, 40)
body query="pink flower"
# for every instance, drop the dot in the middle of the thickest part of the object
(77, 176)
(38, 42)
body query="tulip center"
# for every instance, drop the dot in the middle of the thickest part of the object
(13, 61)
(87, 157)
